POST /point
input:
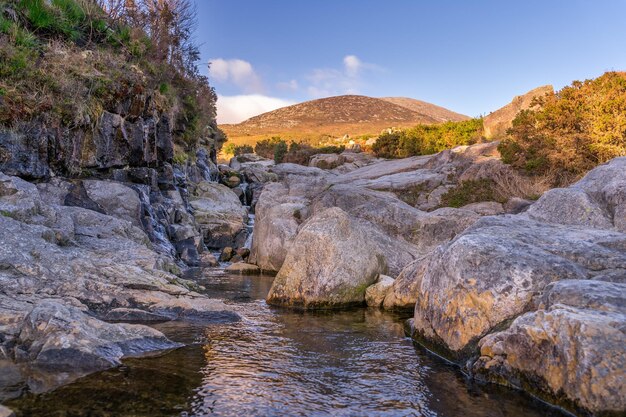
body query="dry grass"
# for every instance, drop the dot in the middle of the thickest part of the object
(509, 184)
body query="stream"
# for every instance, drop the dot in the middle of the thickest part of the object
(283, 362)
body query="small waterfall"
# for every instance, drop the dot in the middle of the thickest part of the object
(244, 189)
(151, 224)
(250, 230)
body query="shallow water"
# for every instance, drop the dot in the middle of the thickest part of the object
(281, 362)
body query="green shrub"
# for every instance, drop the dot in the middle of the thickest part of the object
(280, 151)
(180, 158)
(241, 149)
(266, 147)
(428, 139)
(472, 191)
(571, 131)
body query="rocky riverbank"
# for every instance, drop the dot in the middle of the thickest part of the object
(96, 245)
(522, 293)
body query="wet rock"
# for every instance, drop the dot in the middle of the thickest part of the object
(243, 252)
(226, 254)
(243, 269)
(312, 276)
(208, 260)
(61, 337)
(237, 258)
(128, 315)
(25, 153)
(375, 294)
(232, 181)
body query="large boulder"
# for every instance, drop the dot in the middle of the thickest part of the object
(538, 297)
(570, 350)
(598, 200)
(489, 274)
(332, 261)
(220, 214)
(326, 160)
(115, 199)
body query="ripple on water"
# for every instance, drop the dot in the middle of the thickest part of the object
(283, 362)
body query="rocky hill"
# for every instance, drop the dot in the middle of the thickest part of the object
(437, 112)
(338, 116)
(497, 122)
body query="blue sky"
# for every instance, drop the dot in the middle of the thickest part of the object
(469, 56)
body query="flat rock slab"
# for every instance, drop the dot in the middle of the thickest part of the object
(243, 269)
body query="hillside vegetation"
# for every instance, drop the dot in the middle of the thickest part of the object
(319, 122)
(571, 131)
(64, 62)
(428, 139)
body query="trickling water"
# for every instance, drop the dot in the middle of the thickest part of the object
(153, 227)
(250, 230)
(282, 362)
(244, 189)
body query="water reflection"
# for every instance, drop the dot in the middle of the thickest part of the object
(280, 362)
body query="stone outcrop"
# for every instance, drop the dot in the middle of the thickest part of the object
(537, 297)
(572, 345)
(219, 212)
(57, 336)
(387, 194)
(496, 123)
(66, 268)
(372, 198)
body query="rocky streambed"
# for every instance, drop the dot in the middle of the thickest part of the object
(282, 362)
(529, 294)
(526, 294)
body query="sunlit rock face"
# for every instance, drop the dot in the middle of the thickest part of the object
(538, 297)
(496, 123)
(574, 344)
(330, 264)
(387, 194)
(490, 273)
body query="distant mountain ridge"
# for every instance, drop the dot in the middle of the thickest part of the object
(441, 114)
(340, 115)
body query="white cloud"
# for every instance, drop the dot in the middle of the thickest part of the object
(352, 65)
(235, 109)
(236, 71)
(326, 82)
(291, 85)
